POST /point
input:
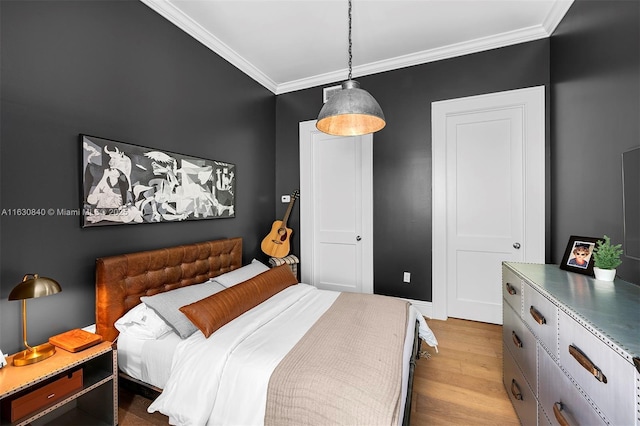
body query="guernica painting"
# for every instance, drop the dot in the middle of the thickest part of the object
(130, 184)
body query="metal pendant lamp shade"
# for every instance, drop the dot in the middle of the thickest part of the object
(350, 111)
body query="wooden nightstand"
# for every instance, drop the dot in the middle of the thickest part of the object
(94, 402)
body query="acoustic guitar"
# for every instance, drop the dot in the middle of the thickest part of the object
(276, 244)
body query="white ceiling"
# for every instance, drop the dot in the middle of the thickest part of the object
(289, 45)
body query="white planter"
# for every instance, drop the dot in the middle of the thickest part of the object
(604, 274)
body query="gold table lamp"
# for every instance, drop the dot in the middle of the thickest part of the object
(32, 286)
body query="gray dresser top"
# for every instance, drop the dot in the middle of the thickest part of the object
(611, 308)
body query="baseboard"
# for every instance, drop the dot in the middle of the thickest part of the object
(425, 308)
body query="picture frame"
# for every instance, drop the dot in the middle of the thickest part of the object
(124, 183)
(578, 256)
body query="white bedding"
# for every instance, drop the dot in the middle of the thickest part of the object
(206, 374)
(147, 360)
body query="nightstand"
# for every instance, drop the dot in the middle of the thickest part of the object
(69, 388)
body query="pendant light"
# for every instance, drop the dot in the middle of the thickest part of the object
(350, 111)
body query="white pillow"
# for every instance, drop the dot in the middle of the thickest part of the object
(142, 322)
(242, 274)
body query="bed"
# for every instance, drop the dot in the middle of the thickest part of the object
(227, 343)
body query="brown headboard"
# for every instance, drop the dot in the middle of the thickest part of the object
(122, 280)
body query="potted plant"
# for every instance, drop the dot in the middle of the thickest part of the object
(606, 258)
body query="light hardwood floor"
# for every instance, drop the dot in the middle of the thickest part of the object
(460, 385)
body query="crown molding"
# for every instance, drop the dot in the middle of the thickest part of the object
(557, 12)
(549, 25)
(418, 58)
(175, 16)
(195, 30)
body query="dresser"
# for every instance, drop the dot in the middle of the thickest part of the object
(571, 347)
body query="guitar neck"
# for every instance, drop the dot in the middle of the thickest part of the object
(286, 215)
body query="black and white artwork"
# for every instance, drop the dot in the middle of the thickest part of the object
(130, 184)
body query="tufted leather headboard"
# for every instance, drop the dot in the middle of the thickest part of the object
(122, 280)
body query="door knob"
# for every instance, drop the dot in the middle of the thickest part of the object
(358, 238)
(516, 246)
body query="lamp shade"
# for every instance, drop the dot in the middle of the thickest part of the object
(32, 286)
(350, 111)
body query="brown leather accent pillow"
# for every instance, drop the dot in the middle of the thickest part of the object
(211, 313)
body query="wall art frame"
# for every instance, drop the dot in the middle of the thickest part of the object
(124, 183)
(578, 256)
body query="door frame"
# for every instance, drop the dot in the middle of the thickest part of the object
(532, 100)
(306, 129)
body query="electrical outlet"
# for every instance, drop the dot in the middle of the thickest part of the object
(407, 277)
(286, 198)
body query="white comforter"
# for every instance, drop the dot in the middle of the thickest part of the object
(223, 380)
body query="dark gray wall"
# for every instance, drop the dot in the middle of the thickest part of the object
(402, 150)
(595, 74)
(117, 70)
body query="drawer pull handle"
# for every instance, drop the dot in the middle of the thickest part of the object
(537, 316)
(51, 396)
(584, 361)
(511, 289)
(557, 411)
(515, 390)
(516, 339)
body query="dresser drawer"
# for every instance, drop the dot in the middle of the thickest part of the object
(42, 396)
(560, 399)
(520, 394)
(541, 315)
(606, 377)
(522, 344)
(512, 289)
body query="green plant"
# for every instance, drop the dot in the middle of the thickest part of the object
(606, 255)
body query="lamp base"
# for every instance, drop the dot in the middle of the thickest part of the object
(33, 355)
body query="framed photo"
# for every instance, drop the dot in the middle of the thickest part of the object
(131, 184)
(578, 257)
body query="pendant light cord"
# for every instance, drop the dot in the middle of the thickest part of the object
(350, 44)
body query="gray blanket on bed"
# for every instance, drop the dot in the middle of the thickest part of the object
(347, 369)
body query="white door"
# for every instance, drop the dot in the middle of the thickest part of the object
(336, 210)
(488, 197)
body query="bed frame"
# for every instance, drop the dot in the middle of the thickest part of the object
(122, 280)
